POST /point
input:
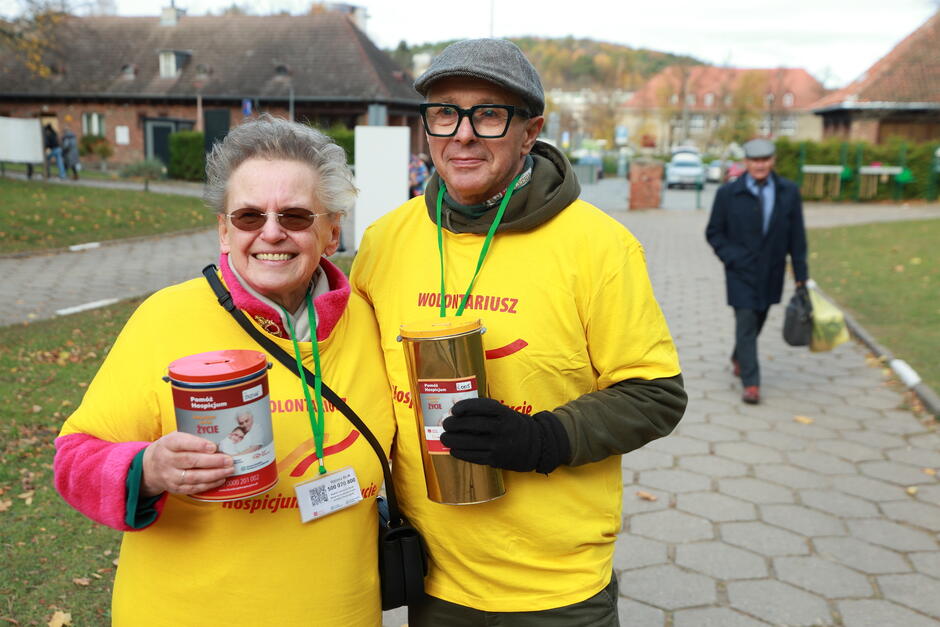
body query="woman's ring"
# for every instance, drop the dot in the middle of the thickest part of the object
(182, 475)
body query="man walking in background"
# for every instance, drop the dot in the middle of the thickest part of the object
(756, 221)
(51, 142)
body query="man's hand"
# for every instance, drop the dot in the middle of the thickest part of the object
(484, 431)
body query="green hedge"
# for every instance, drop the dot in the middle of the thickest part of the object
(187, 156)
(344, 137)
(917, 157)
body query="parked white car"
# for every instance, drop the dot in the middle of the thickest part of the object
(685, 169)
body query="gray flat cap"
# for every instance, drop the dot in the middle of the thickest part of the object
(759, 149)
(498, 61)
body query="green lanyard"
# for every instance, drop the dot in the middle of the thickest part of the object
(483, 251)
(317, 422)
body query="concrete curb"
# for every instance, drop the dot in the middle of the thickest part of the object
(110, 242)
(924, 392)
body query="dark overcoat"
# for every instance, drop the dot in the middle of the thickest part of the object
(754, 261)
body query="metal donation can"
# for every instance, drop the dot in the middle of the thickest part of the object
(222, 396)
(446, 364)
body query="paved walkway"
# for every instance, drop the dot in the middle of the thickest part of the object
(812, 508)
(816, 507)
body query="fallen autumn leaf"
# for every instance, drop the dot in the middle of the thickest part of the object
(60, 619)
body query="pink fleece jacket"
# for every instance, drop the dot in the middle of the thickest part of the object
(329, 306)
(91, 473)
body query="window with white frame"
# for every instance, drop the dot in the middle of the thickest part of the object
(788, 125)
(769, 99)
(674, 99)
(93, 124)
(697, 122)
(765, 126)
(167, 64)
(788, 99)
(690, 100)
(709, 99)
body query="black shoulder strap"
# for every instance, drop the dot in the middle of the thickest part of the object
(225, 299)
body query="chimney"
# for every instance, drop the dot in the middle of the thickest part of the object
(170, 16)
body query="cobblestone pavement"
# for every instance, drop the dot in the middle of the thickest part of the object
(812, 508)
(815, 507)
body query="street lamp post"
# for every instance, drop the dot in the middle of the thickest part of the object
(290, 101)
(199, 82)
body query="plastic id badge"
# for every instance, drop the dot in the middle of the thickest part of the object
(327, 494)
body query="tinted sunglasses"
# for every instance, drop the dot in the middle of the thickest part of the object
(291, 219)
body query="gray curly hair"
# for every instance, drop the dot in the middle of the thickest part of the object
(268, 137)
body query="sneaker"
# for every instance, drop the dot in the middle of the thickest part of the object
(736, 366)
(751, 395)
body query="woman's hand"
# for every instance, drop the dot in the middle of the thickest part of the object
(183, 463)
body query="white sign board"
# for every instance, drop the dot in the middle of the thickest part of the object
(21, 140)
(381, 173)
(880, 169)
(822, 169)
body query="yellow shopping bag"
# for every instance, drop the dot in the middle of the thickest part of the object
(829, 328)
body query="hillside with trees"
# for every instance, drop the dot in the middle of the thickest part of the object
(570, 63)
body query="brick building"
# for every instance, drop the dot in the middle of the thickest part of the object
(691, 104)
(899, 96)
(135, 80)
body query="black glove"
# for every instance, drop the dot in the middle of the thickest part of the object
(484, 431)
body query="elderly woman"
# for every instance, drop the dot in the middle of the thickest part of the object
(279, 189)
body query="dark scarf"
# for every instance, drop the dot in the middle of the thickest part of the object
(552, 187)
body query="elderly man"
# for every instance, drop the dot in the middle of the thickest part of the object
(579, 359)
(755, 222)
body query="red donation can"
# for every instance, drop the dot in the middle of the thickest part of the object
(222, 396)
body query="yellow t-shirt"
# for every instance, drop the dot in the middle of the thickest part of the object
(568, 309)
(248, 562)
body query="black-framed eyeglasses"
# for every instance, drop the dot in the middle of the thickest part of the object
(488, 121)
(296, 219)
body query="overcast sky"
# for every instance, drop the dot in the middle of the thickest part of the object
(835, 40)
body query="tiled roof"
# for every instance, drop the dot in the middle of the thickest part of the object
(910, 73)
(325, 55)
(722, 81)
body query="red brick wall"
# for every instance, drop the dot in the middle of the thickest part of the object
(115, 115)
(132, 115)
(646, 184)
(864, 130)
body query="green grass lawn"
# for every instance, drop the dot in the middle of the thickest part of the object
(36, 216)
(887, 276)
(53, 557)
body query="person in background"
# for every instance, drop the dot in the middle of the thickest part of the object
(53, 149)
(756, 221)
(417, 176)
(70, 152)
(279, 190)
(580, 364)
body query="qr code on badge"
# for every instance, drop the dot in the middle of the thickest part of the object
(318, 495)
